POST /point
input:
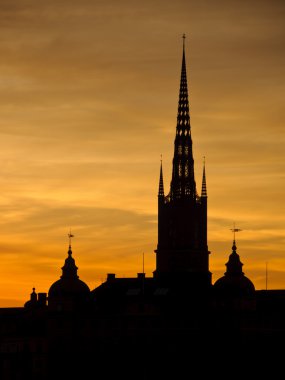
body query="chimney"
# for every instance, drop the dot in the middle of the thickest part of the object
(42, 299)
(111, 276)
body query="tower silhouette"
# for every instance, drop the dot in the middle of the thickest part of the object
(182, 249)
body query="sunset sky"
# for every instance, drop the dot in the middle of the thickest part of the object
(88, 103)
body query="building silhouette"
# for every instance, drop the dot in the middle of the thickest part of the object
(182, 248)
(174, 325)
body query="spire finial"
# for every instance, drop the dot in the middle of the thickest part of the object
(69, 270)
(234, 230)
(69, 238)
(184, 36)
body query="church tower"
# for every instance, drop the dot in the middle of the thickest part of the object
(182, 250)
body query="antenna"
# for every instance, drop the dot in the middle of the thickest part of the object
(143, 263)
(266, 275)
(143, 276)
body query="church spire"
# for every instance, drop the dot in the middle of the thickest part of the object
(182, 250)
(161, 185)
(204, 186)
(183, 181)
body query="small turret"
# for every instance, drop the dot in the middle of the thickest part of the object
(34, 296)
(36, 300)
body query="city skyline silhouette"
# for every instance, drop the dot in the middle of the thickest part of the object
(164, 325)
(87, 112)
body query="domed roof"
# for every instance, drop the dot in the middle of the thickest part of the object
(234, 285)
(69, 283)
(234, 282)
(66, 287)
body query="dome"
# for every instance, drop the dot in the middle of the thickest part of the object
(69, 288)
(234, 282)
(234, 286)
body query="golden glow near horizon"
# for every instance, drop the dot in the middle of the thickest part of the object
(88, 102)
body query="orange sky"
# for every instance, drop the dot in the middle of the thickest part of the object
(88, 102)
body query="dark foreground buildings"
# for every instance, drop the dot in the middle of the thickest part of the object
(174, 325)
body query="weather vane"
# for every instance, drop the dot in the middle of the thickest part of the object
(70, 236)
(234, 230)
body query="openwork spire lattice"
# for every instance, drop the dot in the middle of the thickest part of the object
(183, 180)
(204, 185)
(161, 185)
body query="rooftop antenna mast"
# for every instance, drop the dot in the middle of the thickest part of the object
(266, 275)
(143, 274)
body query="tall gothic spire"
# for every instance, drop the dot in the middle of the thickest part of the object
(182, 249)
(183, 181)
